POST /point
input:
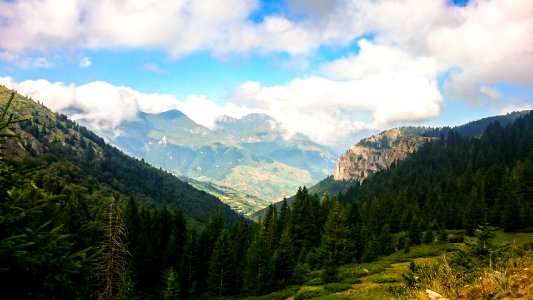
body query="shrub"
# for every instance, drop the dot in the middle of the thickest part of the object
(337, 287)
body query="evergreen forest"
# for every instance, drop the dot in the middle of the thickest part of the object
(79, 219)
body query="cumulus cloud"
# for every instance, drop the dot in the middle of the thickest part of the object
(205, 111)
(104, 105)
(329, 111)
(375, 59)
(392, 78)
(487, 41)
(101, 104)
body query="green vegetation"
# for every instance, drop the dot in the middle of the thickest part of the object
(80, 220)
(247, 163)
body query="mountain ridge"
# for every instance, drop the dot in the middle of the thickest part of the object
(241, 156)
(384, 141)
(60, 149)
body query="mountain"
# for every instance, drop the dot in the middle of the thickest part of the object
(247, 162)
(381, 151)
(363, 160)
(65, 157)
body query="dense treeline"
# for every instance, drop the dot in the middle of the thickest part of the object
(92, 229)
(456, 182)
(65, 159)
(58, 183)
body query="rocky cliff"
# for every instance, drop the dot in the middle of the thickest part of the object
(376, 153)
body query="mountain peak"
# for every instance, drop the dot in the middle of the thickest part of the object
(226, 119)
(257, 117)
(171, 114)
(253, 117)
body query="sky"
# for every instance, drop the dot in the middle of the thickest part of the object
(334, 70)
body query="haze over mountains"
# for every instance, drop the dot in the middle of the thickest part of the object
(248, 162)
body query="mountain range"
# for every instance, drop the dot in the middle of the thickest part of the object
(381, 151)
(247, 162)
(73, 205)
(65, 159)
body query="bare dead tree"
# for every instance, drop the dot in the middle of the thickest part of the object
(114, 261)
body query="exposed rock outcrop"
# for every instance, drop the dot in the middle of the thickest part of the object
(363, 160)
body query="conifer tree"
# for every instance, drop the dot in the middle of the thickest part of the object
(192, 261)
(415, 232)
(475, 211)
(334, 241)
(357, 242)
(271, 226)
(509, 199)
(385, 246)
(172, 285)
(222, 267)
(240, 236)
(260, 268)
(284, 216)
(284, 259)
(305, 216)
(207, 241)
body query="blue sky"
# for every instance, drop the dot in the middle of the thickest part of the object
(334, 70)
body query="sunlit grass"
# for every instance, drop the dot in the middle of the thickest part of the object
(381, 279)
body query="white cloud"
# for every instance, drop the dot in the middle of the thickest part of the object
(392, 78)
(329, 111)
(205, 111)
(103, 105)
(375, 59)
(85, 62)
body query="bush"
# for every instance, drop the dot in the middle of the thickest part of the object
(337, 287)
(385, 280)
(456, 238)
(306, 293)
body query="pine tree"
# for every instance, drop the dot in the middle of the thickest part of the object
(260, 269)
(357, 242)
(270, 225)
(284, 260)
(415, 232)
(208, 239)
(284, 216)
(334, 241)
(222, 267)
(509, 198)
(526, 190)
(475, 211)
(192, 261)
(305, 216)
(385, 246)
(427, 237)
(172, 285)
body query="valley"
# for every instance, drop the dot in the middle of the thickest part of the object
(248, 162)
(416, 199)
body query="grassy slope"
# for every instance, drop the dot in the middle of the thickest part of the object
(376, 279)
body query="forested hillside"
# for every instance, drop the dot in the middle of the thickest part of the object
(384, 140)
(80, 220)
(67, 201)
(67, 158)
(454, 183)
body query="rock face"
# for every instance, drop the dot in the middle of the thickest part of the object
(375, 154)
